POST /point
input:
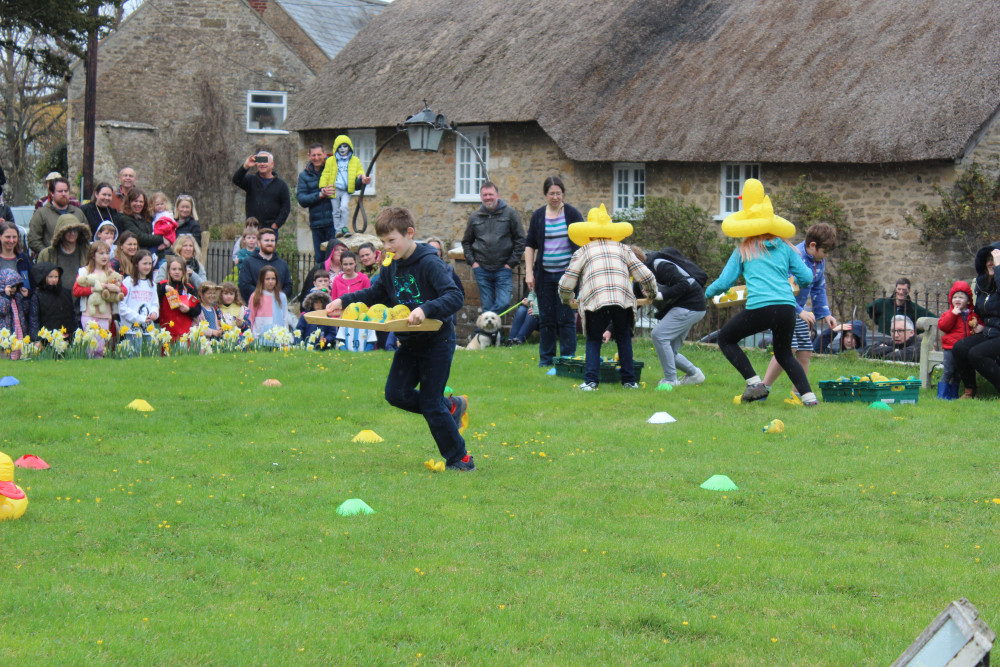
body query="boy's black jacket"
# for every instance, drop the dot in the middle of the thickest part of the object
(422, 280)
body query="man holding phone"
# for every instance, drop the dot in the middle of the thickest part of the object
(267, 198)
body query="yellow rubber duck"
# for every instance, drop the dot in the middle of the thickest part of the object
(598, 225)
(377, 313)
(399, 312)
(776, 426)
(434, 466)
(388, 258)
(355, 311)
(730, 295)
(13, 502)
(794, 400)
(757, 216)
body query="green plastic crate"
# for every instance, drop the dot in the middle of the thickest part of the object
(838, 391)
(896, 392)
(573, 367)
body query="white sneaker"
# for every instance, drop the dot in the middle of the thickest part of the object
(588, 386)
(630, 385)
(697, 378)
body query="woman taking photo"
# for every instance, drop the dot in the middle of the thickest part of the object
(99, 209)
(137, 217)
(546, 256)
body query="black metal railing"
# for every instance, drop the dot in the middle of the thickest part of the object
(845, 305)
(219, 266)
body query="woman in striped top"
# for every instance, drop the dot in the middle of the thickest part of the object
(546, 254)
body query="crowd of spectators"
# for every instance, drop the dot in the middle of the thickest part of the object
(140, 252)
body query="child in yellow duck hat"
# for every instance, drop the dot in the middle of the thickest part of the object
(602, 268)
(765, 259)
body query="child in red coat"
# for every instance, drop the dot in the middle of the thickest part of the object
(178, 304)
(954, 325)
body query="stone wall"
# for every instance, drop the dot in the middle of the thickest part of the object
(877, 198)
(149, 101)
(290, 31)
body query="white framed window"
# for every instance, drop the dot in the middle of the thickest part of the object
(364, 149)
(630, 185)
(266, 111)
(734, 175)
(468, 172)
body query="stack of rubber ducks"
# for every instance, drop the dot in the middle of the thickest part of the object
(376, 313)
(13, 502)
(874, 376)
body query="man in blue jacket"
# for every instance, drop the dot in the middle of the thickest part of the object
(261, 257)
(309, 195)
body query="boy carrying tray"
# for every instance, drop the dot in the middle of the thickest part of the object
(419, 279)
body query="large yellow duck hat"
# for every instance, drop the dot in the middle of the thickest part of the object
(13, 502)
(598, 226)
(757, 216)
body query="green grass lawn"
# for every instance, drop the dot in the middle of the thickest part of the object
(206, 533)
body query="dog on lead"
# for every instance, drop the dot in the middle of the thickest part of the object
(487, 333)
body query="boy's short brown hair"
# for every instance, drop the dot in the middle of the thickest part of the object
(321, 273)
(393, 218)
(823, 235)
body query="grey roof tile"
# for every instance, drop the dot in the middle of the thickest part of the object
(331, 23)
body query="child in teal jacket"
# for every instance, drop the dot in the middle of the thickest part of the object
(765, 260)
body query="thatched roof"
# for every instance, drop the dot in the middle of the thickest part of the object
(857, 81)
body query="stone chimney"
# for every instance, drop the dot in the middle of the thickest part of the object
(259, 5)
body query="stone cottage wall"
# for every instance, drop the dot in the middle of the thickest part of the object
(877, 198)
(149, 73)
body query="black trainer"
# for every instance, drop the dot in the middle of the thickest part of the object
(465, 464)
(755, 392)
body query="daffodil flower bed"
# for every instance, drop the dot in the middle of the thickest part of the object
(151, 341)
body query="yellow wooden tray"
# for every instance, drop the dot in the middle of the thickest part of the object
(319, 317)
(741, 295)
(741, 298)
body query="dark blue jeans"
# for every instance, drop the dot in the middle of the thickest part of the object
(321, 236)
(427, 364)
(596, 323)
(495, 288)
(524, 324)
(553, 318)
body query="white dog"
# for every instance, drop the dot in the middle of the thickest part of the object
(487, 333)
